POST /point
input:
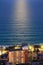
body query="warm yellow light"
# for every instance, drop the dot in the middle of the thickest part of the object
(40, 49)
(42, 46)
(17, 47)
(31, 48)
(2, 52)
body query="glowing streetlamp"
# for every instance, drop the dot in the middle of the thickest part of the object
(31, 48)
(41, 48)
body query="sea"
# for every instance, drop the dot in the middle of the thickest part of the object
(21, 21)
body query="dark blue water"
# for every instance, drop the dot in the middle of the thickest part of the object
(21, 22)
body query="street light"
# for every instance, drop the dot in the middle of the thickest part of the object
(31, 48)
(41, 48)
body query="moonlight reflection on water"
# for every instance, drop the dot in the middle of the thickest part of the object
(21, 21)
